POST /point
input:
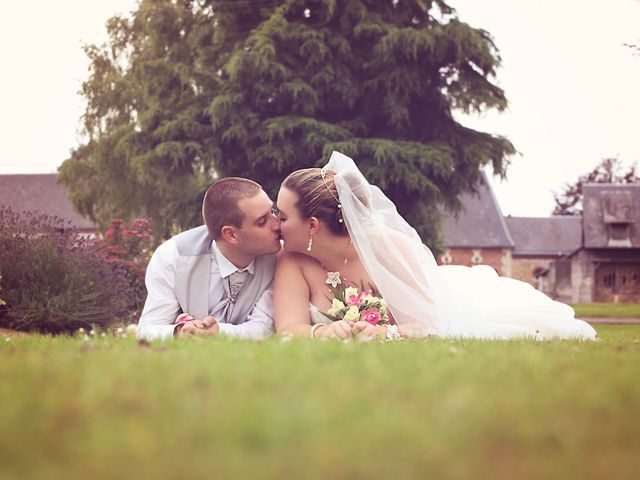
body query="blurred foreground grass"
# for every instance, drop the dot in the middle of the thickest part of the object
(108, 408)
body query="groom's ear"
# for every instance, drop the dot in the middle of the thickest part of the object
(228, 234)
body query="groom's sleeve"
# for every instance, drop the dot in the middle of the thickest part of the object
(259, 323)
(161, 307)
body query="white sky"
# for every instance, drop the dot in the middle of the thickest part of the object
(573, 88)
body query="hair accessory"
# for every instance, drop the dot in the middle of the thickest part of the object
(323, 173)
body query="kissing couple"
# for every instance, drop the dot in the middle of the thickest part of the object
(331, 259)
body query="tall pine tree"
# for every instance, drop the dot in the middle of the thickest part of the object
(259, 88)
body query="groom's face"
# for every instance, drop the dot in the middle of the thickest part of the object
(259, 233)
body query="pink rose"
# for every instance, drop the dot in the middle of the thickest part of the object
(371, 316)
(357, 299)
(354, 300)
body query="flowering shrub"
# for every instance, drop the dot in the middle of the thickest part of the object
(133, 243)
(130, 249)
(54, 281)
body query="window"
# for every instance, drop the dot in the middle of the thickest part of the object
(446, 258)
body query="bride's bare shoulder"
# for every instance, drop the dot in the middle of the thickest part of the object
(296, 260)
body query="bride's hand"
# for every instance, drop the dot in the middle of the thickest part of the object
(340, 330)
(366, 332)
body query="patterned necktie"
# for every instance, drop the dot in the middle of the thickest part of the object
(236, 280)
(223, 310)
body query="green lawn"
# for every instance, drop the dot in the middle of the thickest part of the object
(613, 310)
(108, 408)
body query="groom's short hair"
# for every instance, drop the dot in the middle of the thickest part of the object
(220, 204)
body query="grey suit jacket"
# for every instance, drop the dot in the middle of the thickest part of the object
(179, 278)
(194, 269)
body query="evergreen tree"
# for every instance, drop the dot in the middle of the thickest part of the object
(609, 170)
(259, 88)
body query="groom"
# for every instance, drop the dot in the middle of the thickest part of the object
(219, 274)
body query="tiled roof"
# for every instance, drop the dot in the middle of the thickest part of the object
(558, 235)
(596, 231)
(480, 224)
(41, 193)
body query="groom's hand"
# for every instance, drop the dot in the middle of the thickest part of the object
(207, 327)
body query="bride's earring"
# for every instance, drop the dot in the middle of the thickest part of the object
(310, 243)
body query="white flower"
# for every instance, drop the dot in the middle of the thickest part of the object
(92, 332)
(81, 330)
(120, 330)
(352, 314)
(132, 328)
(336, 306)
(350, 291)
(333, 279)
(383, 306)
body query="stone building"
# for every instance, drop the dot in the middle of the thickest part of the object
(479, 233)
(541, 243)
(576, 259)
(607, 267)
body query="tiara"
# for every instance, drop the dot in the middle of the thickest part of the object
(323, 174)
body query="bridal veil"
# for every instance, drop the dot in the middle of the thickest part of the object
(445, 301)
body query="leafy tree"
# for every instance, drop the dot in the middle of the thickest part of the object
(149, 150)
(189, 90)
(609, 170)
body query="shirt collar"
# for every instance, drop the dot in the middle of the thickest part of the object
(225, 266)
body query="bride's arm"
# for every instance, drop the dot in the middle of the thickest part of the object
(291, 297)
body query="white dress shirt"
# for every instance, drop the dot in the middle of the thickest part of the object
(161, 307)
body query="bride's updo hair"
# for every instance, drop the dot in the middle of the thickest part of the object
(317, 197)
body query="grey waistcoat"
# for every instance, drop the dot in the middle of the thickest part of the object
(193, 272)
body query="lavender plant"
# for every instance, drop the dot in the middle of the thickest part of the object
(55, 281)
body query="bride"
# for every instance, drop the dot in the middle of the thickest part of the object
(334, 224)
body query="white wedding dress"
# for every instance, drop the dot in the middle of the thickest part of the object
(494, 307)
(442, 301)
(317, 316)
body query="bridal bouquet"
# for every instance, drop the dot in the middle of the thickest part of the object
(352, 305)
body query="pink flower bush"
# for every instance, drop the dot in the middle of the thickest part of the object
(130, 249)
